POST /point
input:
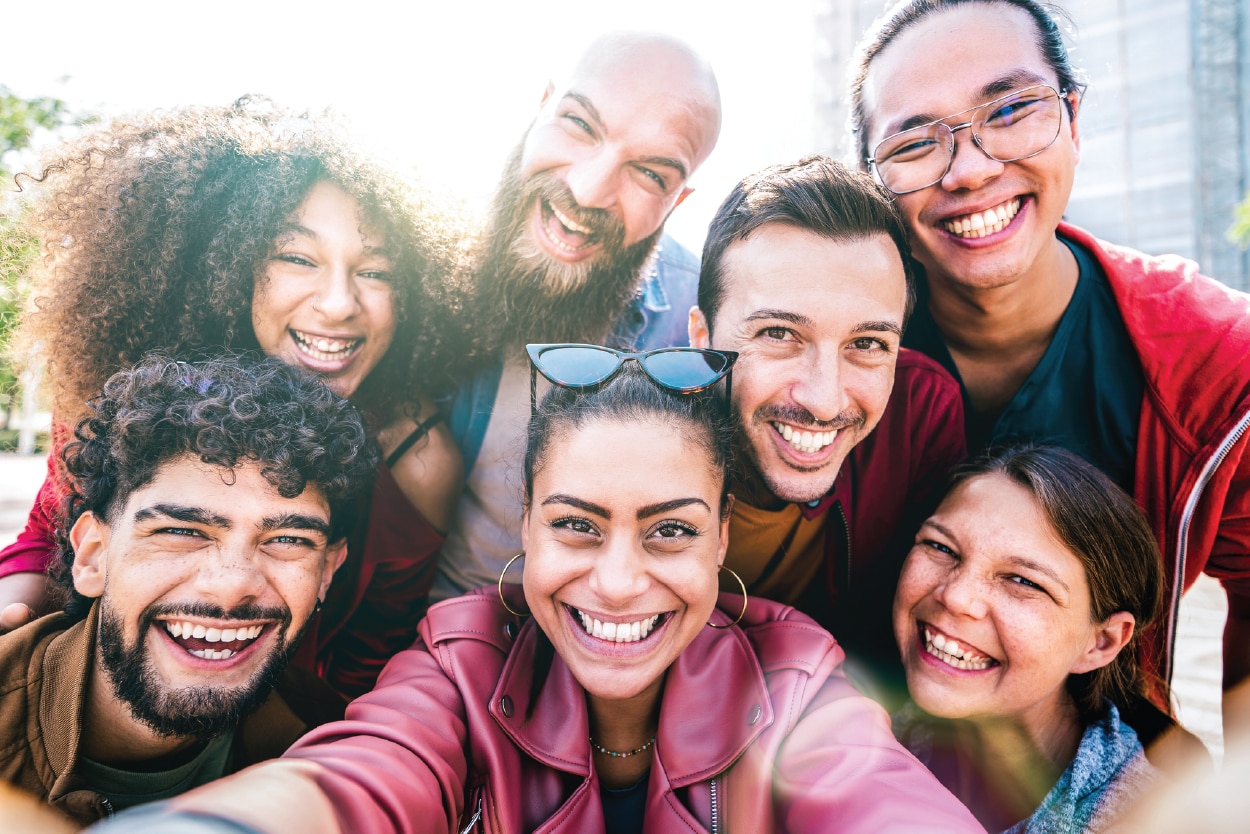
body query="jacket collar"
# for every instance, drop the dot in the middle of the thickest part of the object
(694, 742)
(63, 698)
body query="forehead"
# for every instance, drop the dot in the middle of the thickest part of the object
(629, 460)
(834, 284)
(327, 211)
(240, 495)
(652, 100)
(995, 516)
(952, 60)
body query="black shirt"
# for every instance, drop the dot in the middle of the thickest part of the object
(624, 808)
(1085, 393)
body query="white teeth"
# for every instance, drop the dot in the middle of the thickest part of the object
(227, 635)
(984, 223)
(199, 631)
(185, 630)
(952, 654)
(568, 223)
(323, 348)
(174, 629)
(212, 635)
(618, 632)
(211, 654)
(808, 442)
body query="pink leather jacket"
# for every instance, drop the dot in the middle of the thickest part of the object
(759, 732)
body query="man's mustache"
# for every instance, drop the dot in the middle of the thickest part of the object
(797, 415)
(605, 227)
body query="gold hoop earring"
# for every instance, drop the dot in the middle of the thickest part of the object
(741, 613)
(504, 573)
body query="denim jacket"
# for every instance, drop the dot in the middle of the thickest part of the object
(656, 317)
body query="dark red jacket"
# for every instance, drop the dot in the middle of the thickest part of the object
(889, 484)
(758, 732)
(1192, 336)
(374, 603)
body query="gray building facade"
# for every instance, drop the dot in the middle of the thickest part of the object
(1165, 123)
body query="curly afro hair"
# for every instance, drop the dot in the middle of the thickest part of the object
(224, 410)
(156, 228)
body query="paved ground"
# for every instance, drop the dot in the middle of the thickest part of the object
(1197, 681)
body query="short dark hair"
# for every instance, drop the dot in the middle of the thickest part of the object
(1100, 524)
(225, 410)
(630, 395)
(816, 194)
(906, 13)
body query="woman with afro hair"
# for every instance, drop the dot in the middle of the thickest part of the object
(253, 228)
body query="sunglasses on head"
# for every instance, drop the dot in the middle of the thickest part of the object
(682, 369)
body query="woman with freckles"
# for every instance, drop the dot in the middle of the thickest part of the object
(615, 690)
(1016, 614)
(257, 229)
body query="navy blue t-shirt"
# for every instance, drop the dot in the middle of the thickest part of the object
(1084, 395)
(624, 808)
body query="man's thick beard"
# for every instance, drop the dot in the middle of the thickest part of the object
(524, 295)
(200, 712)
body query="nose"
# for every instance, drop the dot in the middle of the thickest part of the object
(595, 181)
(229, 577)
(963, 593)
(619, 574)
(336, 298)
(819, 388)
(970, 166)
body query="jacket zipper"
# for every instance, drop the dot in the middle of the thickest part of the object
(715, 827)
(473, 820)
(1182, 543)
(107, 806)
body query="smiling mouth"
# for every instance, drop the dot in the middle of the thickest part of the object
(618, 632)
(953, 653)
(324, 348)
(211, 643)
(805, 441)
(565, 233)
(983, 223)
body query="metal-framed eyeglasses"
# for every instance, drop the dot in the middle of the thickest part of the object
(685, 370)
(1016, 126)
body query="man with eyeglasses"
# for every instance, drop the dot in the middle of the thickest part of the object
(968, 112)
(574, 251)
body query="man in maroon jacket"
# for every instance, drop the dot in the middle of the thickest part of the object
(845, 440)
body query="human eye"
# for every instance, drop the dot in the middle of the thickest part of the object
(908, 146)
(184, 532)
(1007, 112)
(653, 177)
(871, 344)
(937, 547)
(672, 534)
(575, 525)
(293, 258)
(776, 333)
(579, 123)
(1024, 582)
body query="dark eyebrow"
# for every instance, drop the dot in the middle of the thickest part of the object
(667, 506)
(1013, 80)
(296, 521)
(667, 161)
(579, 503)
(291, 229)
(178, 512)
(878, 327)
(783, 315)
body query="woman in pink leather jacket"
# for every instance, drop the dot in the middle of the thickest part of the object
(614, 691)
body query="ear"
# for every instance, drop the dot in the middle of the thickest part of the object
(551, 88)
(724, 529)
(89, 538)
(697, 329)
(685, 192)
(335, 554)
(1110, 636)
(525, 527)
(1075, 100)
